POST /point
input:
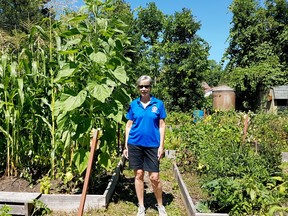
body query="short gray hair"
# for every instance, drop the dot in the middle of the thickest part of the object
(144, 77)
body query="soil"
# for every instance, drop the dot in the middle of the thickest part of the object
(17, 184)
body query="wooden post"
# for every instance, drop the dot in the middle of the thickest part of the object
(94, 146)
(246, 120)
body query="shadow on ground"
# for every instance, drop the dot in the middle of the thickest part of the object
(125, 191)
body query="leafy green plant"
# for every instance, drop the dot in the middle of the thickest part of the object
(240, 169)
(4, 210)
(40, 208)
(45, 185)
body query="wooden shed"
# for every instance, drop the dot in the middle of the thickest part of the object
(278, 99)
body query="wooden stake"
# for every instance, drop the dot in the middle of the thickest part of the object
(246, 120)
(94, 146)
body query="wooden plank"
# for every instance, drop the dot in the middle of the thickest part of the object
(189, 205)
(28, 209)
(68, 203)
(20, 197)
(19, 208)
(114, 180)
(15, 209)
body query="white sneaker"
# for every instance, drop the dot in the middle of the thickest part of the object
(161, 210)
(141, 211)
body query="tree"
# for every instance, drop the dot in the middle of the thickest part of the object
(245, 33)
(185, 61)
(19, 15)
(214, 74)
(148, 29)
(150, 23)
(277, 14)
(257, 51)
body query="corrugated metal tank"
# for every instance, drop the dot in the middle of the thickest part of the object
(223, 98)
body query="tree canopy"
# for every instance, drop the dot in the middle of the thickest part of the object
(258, 49)
(21, 14)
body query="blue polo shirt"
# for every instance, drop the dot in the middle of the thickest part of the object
(145, 128)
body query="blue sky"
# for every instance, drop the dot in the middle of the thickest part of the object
(213, 15)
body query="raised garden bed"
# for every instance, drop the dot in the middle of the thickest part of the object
(63, 202)
(20, 203)
(70, 203)
(188, 202)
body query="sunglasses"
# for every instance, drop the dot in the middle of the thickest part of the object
(144, 86)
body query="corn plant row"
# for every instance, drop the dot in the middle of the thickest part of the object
(67, 78)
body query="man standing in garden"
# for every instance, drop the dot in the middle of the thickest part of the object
(144, 143)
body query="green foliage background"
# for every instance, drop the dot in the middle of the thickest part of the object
(240, 171)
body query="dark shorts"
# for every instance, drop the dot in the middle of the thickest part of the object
(145, 158)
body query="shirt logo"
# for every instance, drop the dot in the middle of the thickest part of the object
(154, 109)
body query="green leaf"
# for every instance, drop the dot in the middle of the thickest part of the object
(104, 160)
(69, 51)
(7, 135)
(66, 138)
(120, 74)
(80, 159)
(13, 69)
(119, 45)
(111, 42)
(71, 32)
(61, 120)
(114, 110)
(58, 43)
(278, 178)
(100, 92)
(41, 30)
(73, 102)
(102, 23)
(98, 57)
(3, 65)
(78, 18)
(20, 90)
(252, 194)
(72, 42)
(121, 94)
(46, 121)
(66, 72)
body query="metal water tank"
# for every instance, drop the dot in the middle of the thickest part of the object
(223, 98)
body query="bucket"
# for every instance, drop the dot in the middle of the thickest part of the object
(198, 115)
